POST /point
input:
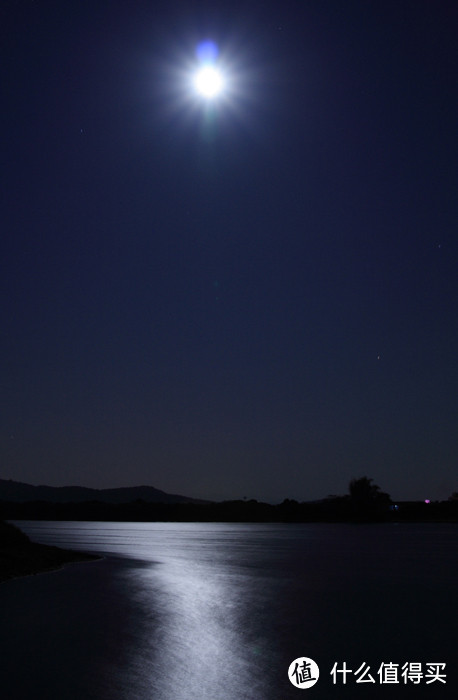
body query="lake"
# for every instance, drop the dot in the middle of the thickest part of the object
(216, 611)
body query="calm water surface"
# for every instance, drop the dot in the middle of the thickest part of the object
(215, 611)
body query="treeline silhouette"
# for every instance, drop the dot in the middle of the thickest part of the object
(365, 502)
(338, 509)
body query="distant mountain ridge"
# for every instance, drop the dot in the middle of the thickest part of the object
(19, 492)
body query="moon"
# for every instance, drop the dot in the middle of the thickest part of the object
(208, 82)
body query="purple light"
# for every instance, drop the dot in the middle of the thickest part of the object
(427, 500)
(207, 51)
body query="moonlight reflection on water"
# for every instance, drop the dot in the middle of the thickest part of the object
(179, 611)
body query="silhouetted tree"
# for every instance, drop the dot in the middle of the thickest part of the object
(363, 489)
(368, 502)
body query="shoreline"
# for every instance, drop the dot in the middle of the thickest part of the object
(332, 509)
(52, 570)
(19, 556)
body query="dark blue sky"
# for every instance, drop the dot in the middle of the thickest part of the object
(257, 298)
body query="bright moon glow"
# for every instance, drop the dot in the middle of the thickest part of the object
(208, 82)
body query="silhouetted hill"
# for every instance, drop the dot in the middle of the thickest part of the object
(18, 492)
(147, 504)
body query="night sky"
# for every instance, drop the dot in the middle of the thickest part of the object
(254, 296)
